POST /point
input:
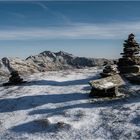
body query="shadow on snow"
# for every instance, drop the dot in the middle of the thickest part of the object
(61, 83)
(32, 127)
(27, 102)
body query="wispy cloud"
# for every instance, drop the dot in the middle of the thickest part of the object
(75, 31)
(55, 14)
(42, 5)
(17, 15)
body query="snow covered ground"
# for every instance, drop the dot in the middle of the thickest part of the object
(55, 106)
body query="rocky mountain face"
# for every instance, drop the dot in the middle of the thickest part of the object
(47, 61)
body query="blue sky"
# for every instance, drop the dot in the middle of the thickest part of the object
(91, 29)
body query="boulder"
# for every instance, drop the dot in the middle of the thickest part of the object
(106, 87)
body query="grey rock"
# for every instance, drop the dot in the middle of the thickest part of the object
(108, 82)
(106, 87)
(109, 70)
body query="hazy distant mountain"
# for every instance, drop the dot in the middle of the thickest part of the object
(46, 61)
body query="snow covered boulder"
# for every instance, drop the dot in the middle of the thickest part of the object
(106, 87)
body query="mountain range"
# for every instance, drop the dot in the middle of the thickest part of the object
(47, 61)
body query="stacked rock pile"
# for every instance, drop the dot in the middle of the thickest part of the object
(109, 70)
(130, 61)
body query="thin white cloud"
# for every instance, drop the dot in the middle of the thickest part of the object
(55, 14)
(17, 15)
(75, 31)
(42, 5)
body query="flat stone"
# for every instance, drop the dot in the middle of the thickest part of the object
(107, 83)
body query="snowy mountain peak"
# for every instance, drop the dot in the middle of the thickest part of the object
(55, 54)
(62, 53)
(48, 53)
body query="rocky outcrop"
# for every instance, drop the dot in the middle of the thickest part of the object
(47, 61)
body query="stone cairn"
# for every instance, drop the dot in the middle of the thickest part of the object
(108, 85)
(130, 61)
(109, 70)
(128, 66)
(15, 78)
